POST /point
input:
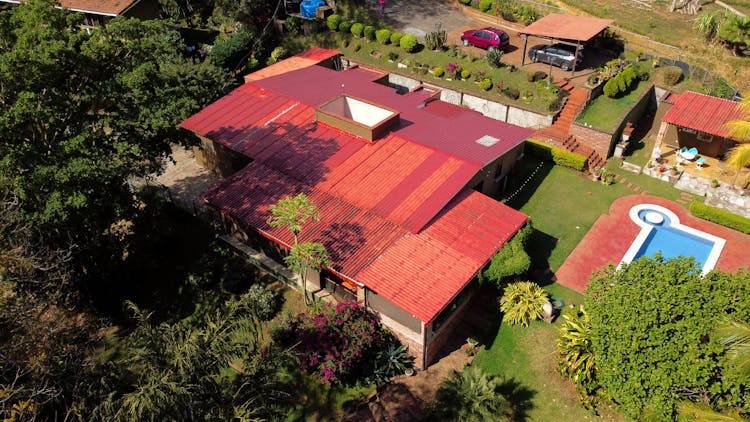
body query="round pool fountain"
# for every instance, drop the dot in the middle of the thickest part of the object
(653, 217)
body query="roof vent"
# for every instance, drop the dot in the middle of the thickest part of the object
(487, 140)
(357, 116)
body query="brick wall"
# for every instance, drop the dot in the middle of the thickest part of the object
(436, 341)
(594, 138)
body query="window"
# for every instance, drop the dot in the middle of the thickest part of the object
(499, 172)
(704, 137)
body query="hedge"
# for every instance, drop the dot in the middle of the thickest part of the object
(720, 216)
(560, 156)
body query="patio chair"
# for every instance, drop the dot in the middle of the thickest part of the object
(700, 161)
(693, 151)
(682, 151)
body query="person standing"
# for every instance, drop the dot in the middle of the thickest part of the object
(382, 8)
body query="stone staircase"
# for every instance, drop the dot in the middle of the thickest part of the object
(559, 133)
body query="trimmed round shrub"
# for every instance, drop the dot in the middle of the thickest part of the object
(486, 84)
(358, 29)
(333, 22)
(369, 32)
(513, 93)
(485, 5)
(536, 76)
(396, 38)
(439, 72)
(345, 26)
(465, 74)
(383, 36)
(672, 75)
(409, 43)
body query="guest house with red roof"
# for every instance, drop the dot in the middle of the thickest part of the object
(401, 180)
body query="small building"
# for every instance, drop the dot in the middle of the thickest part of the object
(400, 181)
(98, 12)
(699, 121)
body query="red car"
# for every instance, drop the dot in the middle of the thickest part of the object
(487, 38)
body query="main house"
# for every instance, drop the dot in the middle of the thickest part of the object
(400, 179)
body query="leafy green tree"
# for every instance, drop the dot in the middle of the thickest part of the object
(652, 323)
(84, 114)
(522, 303)
(471, 396)
(307, 256)
(512, 259)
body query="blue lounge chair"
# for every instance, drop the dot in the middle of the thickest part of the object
(693, 151)
(700, 161)
(683, 150)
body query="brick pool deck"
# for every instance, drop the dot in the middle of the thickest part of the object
(612, 234)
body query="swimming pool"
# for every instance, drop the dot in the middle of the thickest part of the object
(661, 231)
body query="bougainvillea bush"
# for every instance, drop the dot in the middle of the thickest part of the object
(339, 342)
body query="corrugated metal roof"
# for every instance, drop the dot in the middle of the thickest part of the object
(703, 113)
(307, 58)
(567, 27)
(419, 272)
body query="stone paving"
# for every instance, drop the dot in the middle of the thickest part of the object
(724, 196)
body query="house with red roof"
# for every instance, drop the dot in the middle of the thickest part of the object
(401, 181)
(99, 12)
(699, 121)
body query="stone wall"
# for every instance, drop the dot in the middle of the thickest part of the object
(492, 109)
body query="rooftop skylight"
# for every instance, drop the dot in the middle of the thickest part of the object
(487, 140)
(358, 117)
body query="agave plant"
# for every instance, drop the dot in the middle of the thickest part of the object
(522, 303)
(574, 353)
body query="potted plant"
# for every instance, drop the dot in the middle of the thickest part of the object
(715, 183)
(675, 170)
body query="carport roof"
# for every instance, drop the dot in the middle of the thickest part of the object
(567, 27)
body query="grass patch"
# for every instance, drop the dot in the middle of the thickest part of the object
(604, 112)
(553, 198)
(527, 356)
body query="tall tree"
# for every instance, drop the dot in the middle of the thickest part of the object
(739, 130)
(82, 114)
(293, 213)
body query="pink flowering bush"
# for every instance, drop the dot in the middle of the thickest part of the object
(338, 342)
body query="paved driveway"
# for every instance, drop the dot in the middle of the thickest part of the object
(422, 17)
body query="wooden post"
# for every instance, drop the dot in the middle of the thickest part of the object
(523, 56)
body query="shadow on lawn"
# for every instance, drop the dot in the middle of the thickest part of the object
(539, 247)
(530, 172)
(519, 398)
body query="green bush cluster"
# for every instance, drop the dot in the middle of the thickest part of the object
(333, 22)
(511, 92)
(621, 83)
(485, 5)
(226, 53)
(465, 74)
(383, 36)
(512, 11)
(559, 156)
(672, 75)
(465, 1)
(369, 32)
(511, 260)
(485, 84)
(396, 38)
(438, 71)
(720, 216)
(392, 56)
(357, 30)
(536, 76)
(409, 43)
(345, 26)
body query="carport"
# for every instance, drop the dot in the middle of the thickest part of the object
(564, 29)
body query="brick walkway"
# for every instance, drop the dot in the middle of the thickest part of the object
(612, 234)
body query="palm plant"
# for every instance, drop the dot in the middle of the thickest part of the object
(739, 130)
(470, 396)
(695, 412)
(522, 303)
(574, 352)
(736, 336)
(707, 24)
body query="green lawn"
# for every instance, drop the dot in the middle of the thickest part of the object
(563, 205)
(604, 112)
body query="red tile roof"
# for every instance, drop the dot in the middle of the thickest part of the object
(395, 214)
(567, 27)
(703, 113)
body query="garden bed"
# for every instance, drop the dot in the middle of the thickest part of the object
(604, 113)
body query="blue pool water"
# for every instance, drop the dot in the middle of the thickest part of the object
(673, 242)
